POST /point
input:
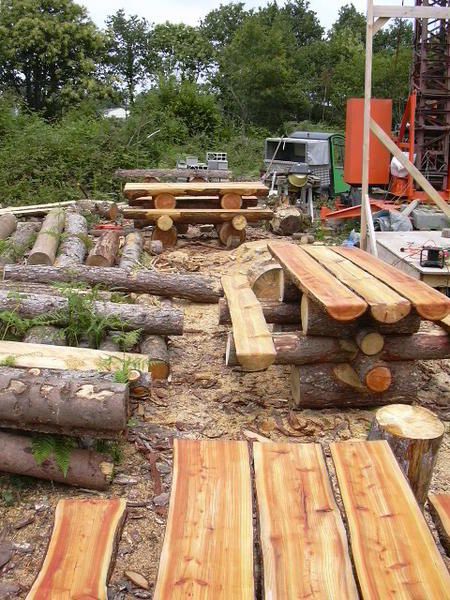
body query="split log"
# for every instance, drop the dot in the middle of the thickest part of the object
(299, 349)
(20, 242)
(439, 505)
(414, 434)
(8, 224)
(266, 279)
(73, 245)
(274, 312)
(329, 385)
(131, 252)
(87, 469)
(210, 202)
(68, 404)
(196, 288)
(103, 254)
(231, 200)
(167, 238)
(288, 220)
(374, 373)
(45, 334)
(231, 237)
(369, 342)
(81, 551)
(155, 349)
(163, 320)
(47, 241)
(162, 201)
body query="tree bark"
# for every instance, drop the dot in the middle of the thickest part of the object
(288, 220)
(87, 469)
(21, 241)
(46, 244)
(155, 348)
(45, 334)
(419, 346)
(68, 403)
(274, 312)
(414, 434)
(231, 237)
(131, 252)
(191, 286)
(8, 224)
(439, 505)
(104, 252)
(374, 374)
(104, 208)
(162, 320)
(73, 249)
(154, 247)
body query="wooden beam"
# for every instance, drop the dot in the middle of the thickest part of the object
(426, 186)
(198, 215)
(244, 188)
(208, 545)
(254, 346)
(303, 539)
(366, 213)
(393, 550)
(379, 24)
(82, 546)
(411, 12)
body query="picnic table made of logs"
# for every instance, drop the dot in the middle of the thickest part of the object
(196, 188)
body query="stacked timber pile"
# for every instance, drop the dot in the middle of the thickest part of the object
(347, 323)
(172, 207)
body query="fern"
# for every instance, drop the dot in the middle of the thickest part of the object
(45, 446)
(127, 339)
(112, 449)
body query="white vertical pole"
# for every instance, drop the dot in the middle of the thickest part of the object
(365, 204)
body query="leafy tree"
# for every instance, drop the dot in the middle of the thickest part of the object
(351, 21)
(304, 22)
(128, 41)
(220, 25)
(48, 53)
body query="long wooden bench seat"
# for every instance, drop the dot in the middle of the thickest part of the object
(197, 188)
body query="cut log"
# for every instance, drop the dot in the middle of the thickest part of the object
(420, 346)
(73, 245)
(414, 434)
(154, 247)
(439, 505)
(197, 215)
(103, 254)
(239, 222)
(314, 280)
(45, 334)
(330, 385)
(231, 200)
(299, 349)
(167, 238)
(8, 224)
(165, 201)
(155, 348)
(265, 279)
(231, 237)
(303, 539)
(374, 373)
(164, 223)
(393, 549)
(20, 241)
(191, 286)
(104, 208)
(254, 346)
(211, 501)
(384, 303)
(171, 173)
(288, 220)
(244, 188)
(81, 551)
(274, 312)
(428, 302)
(369, 342)
(87, 469)
(182, 228)
(210, 202)
(131, 252)
(44, 356)
(47, 241)
(163, 320)
(139, 383)
(70, 404)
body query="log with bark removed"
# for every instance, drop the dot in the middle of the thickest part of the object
(103, 254)
(439, 505)
(266, 279)
(68, 403)
(8, 224)
(82, 549)
(274, 312)
(131, 252)
(45, 334)
(191, 286)
(87, 469)
(329, 385)
(164, 320)
(47, 241)
(210, 202)
(414, 434)
(244, 188)
(20, 242)
(155, 348)
(72, 249)
(288, 220)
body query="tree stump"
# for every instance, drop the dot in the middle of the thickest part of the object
(229, 236)
(288, 220)
(414, 434)
(439, 505)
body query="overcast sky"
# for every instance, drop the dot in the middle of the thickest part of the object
(191, 11)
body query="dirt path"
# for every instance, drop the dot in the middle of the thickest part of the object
(204, 399)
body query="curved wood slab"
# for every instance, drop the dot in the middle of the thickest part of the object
(303, 540)
(340, 303)
(197, 188)
(208, 546)
(440, 509)
(393, 549)
(80, 550)
(429, 303)
(385, 305)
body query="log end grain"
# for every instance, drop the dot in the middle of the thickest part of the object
(378, 379)
(165, 201)
(411, 422)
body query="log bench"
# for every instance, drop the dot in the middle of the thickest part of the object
(244, 188)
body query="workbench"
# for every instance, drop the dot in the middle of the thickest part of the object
(402, 250)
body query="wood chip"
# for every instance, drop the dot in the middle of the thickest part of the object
(137, 579)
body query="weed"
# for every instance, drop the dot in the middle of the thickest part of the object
(112, 449)
(45, 446)
(127, 339)
(8, 361)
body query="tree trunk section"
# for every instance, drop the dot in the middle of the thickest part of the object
(73, 249)
(164, 223)
(87, 469)
(104, 252)
(374, 374)
(21, 241)
(266, 280)
(369, 342)
(104, 208)
(131, 252)
(167, 238)
(155, 174)
(196, 288)
(274, 312)
(165, 201)
(46, 244)
(231, 237)
(45, 334)
(414, 434)
(288, 220)
(231, 200)
(155, 348)
(419, 346)
(8, 224)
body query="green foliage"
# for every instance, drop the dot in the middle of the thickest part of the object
(14, 327)
(58, 447)
(9, 361)
(126, 340)
(112, 449)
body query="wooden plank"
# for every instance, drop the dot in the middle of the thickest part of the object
(339, 302)
(393, 550)
(193, 202)
(303, 540)
(82, 546)
(385, 305)
(429, 303)
(197, 188)
(198, 215)
(208, 546)
(440, 509)
(255, 350)
(411, 12)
